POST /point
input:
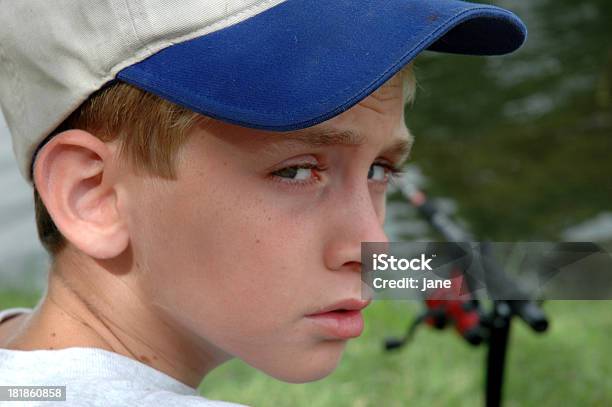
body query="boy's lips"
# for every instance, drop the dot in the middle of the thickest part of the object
(342, 320)
(349, 304)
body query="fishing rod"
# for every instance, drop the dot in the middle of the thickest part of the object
(445, 307)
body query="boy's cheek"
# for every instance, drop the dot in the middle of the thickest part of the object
(237, 269)
(221, 255)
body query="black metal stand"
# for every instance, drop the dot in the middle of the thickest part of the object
(499, 333)
(498, 324)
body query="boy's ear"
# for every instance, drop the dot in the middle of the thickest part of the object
(73, 176)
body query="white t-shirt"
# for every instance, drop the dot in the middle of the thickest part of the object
(94, 377)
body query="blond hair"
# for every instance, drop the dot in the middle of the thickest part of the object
(150, 131)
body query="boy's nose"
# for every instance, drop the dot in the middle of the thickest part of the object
(354, 222)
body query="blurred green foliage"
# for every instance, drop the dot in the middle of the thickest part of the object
(522, 142)
(14, 299)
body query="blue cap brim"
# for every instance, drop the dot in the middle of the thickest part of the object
(303, 62)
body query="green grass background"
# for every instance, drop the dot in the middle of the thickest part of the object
(570, 365)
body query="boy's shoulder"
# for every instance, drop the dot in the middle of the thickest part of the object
(97, 395)
(96, 377)
(90, 380)
(87, 398)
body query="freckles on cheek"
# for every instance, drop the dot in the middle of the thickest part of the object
(247, 294)
(224, 230)
(264, 260)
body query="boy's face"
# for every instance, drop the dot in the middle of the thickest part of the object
(242, 246)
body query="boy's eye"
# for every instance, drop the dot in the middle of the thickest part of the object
(297, 173)
(377, 173)
(382, 172)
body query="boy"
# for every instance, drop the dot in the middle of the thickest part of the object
(204, 174)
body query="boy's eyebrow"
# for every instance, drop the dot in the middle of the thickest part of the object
(398, 150)
(326, 137)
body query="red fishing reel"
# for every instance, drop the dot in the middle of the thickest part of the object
(446, 307)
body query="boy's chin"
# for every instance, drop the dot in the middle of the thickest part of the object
(309, 366)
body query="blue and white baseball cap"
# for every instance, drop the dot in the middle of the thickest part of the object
(278, 65)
